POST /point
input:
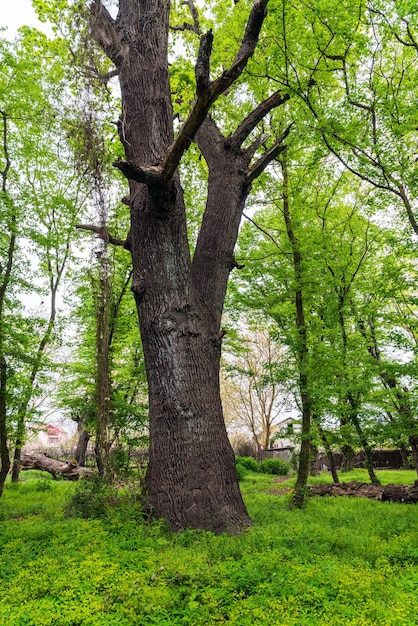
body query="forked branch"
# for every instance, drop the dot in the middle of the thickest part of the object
(206, 94)
(244, 129)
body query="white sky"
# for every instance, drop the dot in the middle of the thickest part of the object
(17, 13)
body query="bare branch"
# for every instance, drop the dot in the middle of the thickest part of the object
(185, 26)
(260, 165)
(261, 140)
(195, 27)
(244, 129)
(102, 233)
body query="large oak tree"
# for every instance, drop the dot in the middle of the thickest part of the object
(191, 478)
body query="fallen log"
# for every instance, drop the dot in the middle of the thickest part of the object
(70, 470)
(390, 493)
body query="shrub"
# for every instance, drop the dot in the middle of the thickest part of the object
(248, 462)
(275, 466)
(241, 472)
(90, 499)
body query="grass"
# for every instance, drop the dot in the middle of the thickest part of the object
(341, 561)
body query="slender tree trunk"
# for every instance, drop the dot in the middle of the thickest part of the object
(103, 387)
(19, 442)
(5, 280)
(363, 440)
(330, 456)
(413, 442)
(4, 450)
(314, 461)
(400, 399)
(300, 493)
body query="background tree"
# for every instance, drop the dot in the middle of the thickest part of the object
(253, 396)
(41, 196)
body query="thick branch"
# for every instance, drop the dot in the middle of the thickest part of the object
(206, 97)
(103, 234)
(244, 129)
(260, 165)
(202, 69)
(105, 33)
(147, 175)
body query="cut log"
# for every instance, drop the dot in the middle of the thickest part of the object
(393, 493)
(70, 470)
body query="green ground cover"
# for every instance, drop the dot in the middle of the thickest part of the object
(340, 561)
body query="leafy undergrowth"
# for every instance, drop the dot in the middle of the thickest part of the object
(341, 561)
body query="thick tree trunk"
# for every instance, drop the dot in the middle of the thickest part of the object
(70, 471)
(191, 476)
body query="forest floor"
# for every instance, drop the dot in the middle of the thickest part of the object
(340, 561)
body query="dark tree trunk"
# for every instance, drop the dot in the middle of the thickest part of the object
(191, 475)
(400, 398)
(404, 455)
(348, 456)
(363, 440)
(413, 442)
(16, 461)
(81, 447)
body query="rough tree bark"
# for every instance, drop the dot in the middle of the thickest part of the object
(191, 477)
(70, 470)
